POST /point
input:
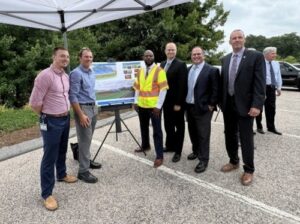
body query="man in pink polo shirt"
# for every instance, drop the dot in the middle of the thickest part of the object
(50, 99)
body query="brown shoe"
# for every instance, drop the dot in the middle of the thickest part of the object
(69, 179)
(247, 179)
(142, 149)
(229, 167)
(158, 162)
(50, 203)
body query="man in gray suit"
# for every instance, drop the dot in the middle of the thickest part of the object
(242, 97)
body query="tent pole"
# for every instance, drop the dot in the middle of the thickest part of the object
(66, 46)
(65, 40)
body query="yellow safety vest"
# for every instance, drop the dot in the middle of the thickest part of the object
(150, 86)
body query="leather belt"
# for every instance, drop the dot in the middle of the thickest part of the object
(57, 115)
(88, 104)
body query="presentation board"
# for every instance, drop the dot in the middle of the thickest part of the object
(114, 81)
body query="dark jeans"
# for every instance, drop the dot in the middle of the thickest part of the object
(55, 140)
(145, 114)
(234, 124)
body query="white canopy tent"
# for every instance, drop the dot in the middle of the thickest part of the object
(67, 15)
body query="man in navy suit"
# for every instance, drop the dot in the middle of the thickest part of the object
(201, 101)
(242, 97)
(173, 107)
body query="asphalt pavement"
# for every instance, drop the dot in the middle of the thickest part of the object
(130, 190)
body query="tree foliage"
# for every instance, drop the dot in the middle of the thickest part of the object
(288, 45)
(187, 25)
(25, 51)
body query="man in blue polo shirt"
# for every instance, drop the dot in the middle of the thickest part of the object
(82, 98)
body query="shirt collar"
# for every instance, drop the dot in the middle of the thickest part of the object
(239, 53)
(197, 66)
(150, 67)
(170, 61)
(267, 62)
(56, 70)
(87, 70)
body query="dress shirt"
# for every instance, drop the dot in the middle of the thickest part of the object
(239, 57)
(51, 91)
(82, 85)
(168, 64)
(277, 73)
(192, 79)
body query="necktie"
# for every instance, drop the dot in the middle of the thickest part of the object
(167, 66)
(147, 71)
(191, 83)
(232, 74)
(273, 81)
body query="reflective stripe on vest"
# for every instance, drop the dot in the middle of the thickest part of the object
(148, 98)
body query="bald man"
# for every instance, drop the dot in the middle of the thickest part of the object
(173, 107)
(150, 91)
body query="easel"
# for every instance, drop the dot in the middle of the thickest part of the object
(117, 121)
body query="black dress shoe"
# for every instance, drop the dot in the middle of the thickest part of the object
(142, 149)
(168, 150)
(176, 158)
(275, 131)
(192, 156)
(95, 165)
(87, 177)
(260, 130)
(201, 167)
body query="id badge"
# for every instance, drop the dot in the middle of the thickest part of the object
(43, 125)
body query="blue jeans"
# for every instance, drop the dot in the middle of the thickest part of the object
(145, 114)
(55, 140)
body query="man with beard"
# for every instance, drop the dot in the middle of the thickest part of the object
(150, 92)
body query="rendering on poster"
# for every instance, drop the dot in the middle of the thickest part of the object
(114, 81)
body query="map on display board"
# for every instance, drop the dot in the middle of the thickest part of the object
(114, 81)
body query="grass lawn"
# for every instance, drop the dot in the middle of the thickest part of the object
(15, 119)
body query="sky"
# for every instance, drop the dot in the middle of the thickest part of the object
(261, 17)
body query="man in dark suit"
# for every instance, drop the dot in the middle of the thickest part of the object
(176, 71)
(242, 98)
(201, 101)
(273, 89)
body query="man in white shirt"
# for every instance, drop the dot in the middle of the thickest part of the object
(273, 88)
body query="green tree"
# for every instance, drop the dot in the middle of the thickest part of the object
(257, 42)
(187, 25)
(25, 51)
(288, 45)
